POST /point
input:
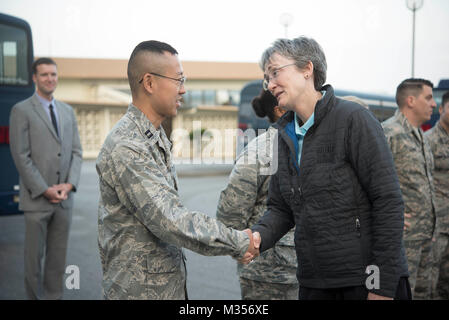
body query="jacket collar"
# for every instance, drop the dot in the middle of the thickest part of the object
(441, 130)
(39, 109)
(322, 107)
(147, 128)
(402, 120)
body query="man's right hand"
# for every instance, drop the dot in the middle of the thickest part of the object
(253, 249)
(53, 195)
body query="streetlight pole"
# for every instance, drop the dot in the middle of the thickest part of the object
(286, 19)
(414, 5)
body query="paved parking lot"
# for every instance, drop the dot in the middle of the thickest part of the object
(208, 277)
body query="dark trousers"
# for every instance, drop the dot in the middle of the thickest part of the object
(403, 292)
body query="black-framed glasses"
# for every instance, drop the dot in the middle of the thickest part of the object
(273, 75)
(181, 80)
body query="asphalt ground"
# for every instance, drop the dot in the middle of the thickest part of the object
(209, 278)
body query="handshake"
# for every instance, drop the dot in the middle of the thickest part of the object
(253, 249)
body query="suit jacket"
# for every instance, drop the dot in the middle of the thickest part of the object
(41, 157)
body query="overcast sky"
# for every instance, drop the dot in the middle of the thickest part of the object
(367, 42)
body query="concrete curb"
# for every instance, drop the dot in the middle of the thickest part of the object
(182, 170)
(201, 170)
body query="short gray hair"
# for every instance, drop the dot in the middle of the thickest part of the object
(302, 50)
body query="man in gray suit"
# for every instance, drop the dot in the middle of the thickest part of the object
(46, 149)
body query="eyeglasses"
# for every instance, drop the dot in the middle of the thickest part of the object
(181, 80)
(273, 76)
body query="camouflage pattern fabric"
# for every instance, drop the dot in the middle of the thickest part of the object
(440, 271)
(419, 256)
(244, 201)
(439, 143)
(414, 164)
(256, 290)
(142, 224)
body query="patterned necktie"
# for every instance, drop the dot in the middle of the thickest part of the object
(53, 119)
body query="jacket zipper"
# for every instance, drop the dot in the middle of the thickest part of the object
(357, 227)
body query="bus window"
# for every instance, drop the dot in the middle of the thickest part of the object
(16, 57)
(382, 113)
(247, 118)
(13, 56)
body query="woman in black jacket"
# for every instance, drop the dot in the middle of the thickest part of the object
(336, 183)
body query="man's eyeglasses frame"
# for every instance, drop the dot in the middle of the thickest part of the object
(181, 80)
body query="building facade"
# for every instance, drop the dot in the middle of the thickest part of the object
(98, 90)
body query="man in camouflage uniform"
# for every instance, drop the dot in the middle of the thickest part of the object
(141, 221)
(272, 276)
(439, 142)
(414, 163)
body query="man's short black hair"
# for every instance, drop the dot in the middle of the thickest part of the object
(41, 61)
(445, 98)
(411, 86)
(152, 46)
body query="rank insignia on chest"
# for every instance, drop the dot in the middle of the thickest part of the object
(148, 134)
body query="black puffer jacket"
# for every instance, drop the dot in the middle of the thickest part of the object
(344, 199)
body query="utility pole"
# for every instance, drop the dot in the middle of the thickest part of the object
(286, 19)
(414, 5)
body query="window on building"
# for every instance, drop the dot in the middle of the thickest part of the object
(209, 97)
(222, 97)
(195, 98)
(234, 97)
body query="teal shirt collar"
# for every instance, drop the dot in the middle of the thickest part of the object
(301, 131)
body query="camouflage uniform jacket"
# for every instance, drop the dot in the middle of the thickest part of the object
(439, 142)
(244, 201)
(414, 164)
(141, 222)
